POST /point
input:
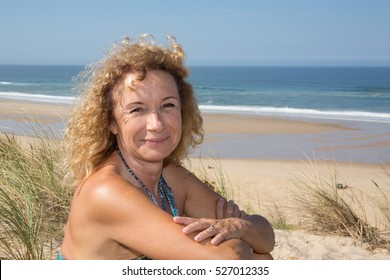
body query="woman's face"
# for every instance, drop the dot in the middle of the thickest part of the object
(147, 116)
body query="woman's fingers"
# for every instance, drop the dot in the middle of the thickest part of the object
(218, 239)
(232, 210)
(243, 214)
(217, 230)
(227, 209)
(220, 231)
(220, 208)
(236, 211)
(184, 220)
(207, 233)
(194, 225)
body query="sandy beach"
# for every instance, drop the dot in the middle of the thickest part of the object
(261, 157)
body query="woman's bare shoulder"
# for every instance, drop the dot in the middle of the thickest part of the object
(176, 168)
(180, 178)
(105, 193)
(179, 172)
(101, 182)
(199, 199)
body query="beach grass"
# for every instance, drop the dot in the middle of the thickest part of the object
(211, 172)
(278, 218)
(330, 206)
(33, 201)
(325, 204)
(382, 202)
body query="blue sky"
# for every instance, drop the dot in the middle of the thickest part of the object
(219, 32)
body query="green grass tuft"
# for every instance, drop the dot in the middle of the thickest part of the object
(33, 202)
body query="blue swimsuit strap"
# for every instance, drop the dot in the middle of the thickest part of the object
(163, 189)
(60, 257)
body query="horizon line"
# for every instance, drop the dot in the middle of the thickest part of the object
(222, 65)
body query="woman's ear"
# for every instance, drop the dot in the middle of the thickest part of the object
(113, 127)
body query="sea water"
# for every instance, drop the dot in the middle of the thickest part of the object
(351, 93)
(356, 96)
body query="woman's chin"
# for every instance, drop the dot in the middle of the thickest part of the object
(156, 156)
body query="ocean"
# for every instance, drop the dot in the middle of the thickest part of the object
(345, 93)
(356, 97)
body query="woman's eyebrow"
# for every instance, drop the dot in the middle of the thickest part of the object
(170, 97)
(133, 104)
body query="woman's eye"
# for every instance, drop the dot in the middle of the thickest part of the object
(135, 110)
(169, 105)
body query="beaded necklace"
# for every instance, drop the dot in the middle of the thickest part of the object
(163, 188)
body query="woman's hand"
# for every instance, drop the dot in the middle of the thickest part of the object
(228, 209)
(226, 226)
(218, 230)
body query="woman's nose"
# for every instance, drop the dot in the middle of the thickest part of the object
(155, 122)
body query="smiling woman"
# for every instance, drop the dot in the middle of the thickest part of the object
(147, 115)
(135, 122)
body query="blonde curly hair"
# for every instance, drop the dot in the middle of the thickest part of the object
(88, 138)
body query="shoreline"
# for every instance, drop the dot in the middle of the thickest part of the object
(264, 137)
(240, 135)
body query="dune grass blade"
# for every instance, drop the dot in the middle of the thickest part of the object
(332, 210)
(34, 203)
(211, 173)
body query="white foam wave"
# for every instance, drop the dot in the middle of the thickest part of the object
(257, 110)
(306, 113)
(6, 83)
(38, 97)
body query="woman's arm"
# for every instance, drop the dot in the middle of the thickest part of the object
(253, 229)
(208, 209)
(259, 234)
(127, 216)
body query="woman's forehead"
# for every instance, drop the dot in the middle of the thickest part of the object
(130, 79)
(156, 81)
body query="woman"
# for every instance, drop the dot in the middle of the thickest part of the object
(135, 123)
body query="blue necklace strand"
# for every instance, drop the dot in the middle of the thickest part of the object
(163, 188)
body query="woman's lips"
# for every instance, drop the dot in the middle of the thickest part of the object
(156, 141)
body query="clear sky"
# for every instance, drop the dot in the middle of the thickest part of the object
(213, 32)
